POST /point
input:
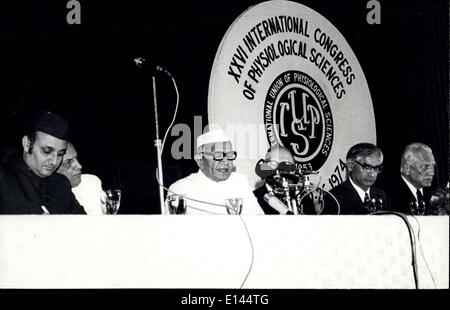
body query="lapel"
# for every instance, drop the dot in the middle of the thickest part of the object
(405, 192)
(354, 200)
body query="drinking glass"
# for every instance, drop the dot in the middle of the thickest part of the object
(417, 208)
(176, 204)
(234, 205)
(112, 200)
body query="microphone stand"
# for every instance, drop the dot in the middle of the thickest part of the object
(289, 202)
(158, 145)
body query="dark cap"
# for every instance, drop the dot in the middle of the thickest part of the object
(50, 123)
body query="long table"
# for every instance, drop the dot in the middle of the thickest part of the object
(154, 251)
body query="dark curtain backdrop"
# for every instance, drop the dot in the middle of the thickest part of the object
(86, 72)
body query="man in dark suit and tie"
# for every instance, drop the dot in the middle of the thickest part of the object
(411, 194)
(357, 195)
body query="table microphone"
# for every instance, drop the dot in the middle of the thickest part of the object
(277, 204)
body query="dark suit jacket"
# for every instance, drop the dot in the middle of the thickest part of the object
(402, 196)
(23, 192)
(351, 203)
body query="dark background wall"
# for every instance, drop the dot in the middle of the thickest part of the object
(86, 72)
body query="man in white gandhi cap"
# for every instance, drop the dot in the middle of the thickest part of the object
(206, 191)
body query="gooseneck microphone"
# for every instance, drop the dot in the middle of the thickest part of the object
(141, 62)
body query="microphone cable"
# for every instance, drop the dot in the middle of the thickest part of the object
(337, 203)
(174, 113)
(421, 251)
(252, 251)
(412, 239)
(309, 192)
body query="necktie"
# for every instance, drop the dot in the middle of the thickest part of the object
(366, 198)
(419, 196)
(367, 202)
(421, 202)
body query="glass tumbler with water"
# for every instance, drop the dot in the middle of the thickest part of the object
(234, 205)
(176, 204)
(112, 200)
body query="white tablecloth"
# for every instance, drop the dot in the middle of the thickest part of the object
(153, 251)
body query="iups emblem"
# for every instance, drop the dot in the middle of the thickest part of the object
(297, 115)
(284, 75)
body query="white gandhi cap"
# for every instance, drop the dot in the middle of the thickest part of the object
(216, 135)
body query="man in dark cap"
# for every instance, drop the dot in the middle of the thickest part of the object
(28, 183)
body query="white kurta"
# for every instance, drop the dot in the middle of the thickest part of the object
(205, 196)
(89, 194)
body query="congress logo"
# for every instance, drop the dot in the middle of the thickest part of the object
(297, 115)
(285, 75)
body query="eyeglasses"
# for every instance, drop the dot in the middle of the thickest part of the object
(424, 168)
(368, 168)
(219, 156)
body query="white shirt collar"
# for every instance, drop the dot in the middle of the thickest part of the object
(359, 190)
(411, 187)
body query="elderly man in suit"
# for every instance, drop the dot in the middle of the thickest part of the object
(411, 194)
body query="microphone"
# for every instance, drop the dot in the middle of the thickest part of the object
(277, 204)
(263, 170)
(141, 62)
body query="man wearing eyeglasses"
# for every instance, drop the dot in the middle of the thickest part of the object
(28, 183)
(411, 194)
(206, 191)
(87, 188)
(357, 195)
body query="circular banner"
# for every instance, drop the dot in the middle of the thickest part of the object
(284, 75)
